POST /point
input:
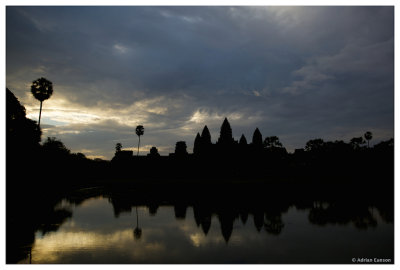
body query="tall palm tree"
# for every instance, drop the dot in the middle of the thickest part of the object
(41, 89)
(368, 136)
(139, 132)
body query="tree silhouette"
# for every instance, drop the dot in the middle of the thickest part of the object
(22, 133)
(272, 142)
(139, 131)
(55, 147)
(41, 89)
(368, 136)
(118, 147)
(314, 145)
(79, 155)
(357, 142)
(15, 111)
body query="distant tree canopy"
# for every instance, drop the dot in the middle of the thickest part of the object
(55, 146)
(357, 142)
(314, 145)
(15, 111)
(22, 133)
(272, 142)
(385, 144)
(338, 146)
(79, 155)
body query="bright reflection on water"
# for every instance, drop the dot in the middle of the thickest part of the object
(95, 235)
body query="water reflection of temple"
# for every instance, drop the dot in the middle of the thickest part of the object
(266, 214)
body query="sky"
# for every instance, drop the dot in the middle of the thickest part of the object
(298, 73)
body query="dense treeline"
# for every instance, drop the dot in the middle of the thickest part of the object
(37, 177)
(41, 166)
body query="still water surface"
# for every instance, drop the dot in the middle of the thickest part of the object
(99, 231)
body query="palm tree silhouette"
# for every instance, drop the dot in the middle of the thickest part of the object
(118, 147)
(368, 136)
(41, 89)
(139, 132)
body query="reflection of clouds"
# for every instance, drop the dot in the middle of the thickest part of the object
(196, 239)
(52, 247)
(86, 238)
(199, 239)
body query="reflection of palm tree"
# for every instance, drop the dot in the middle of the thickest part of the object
(139, 132)
(137, 233)
(41, 89)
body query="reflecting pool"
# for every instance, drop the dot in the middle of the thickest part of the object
(127, 228)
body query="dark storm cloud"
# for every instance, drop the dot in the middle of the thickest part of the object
(295, 72)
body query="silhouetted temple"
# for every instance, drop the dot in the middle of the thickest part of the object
(227, 158)
(202, 143)
(226, 145)
(225, 135)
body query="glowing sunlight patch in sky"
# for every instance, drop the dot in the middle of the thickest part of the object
(202, 116)
(66, 116)
(60, 112)
(120, 48)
